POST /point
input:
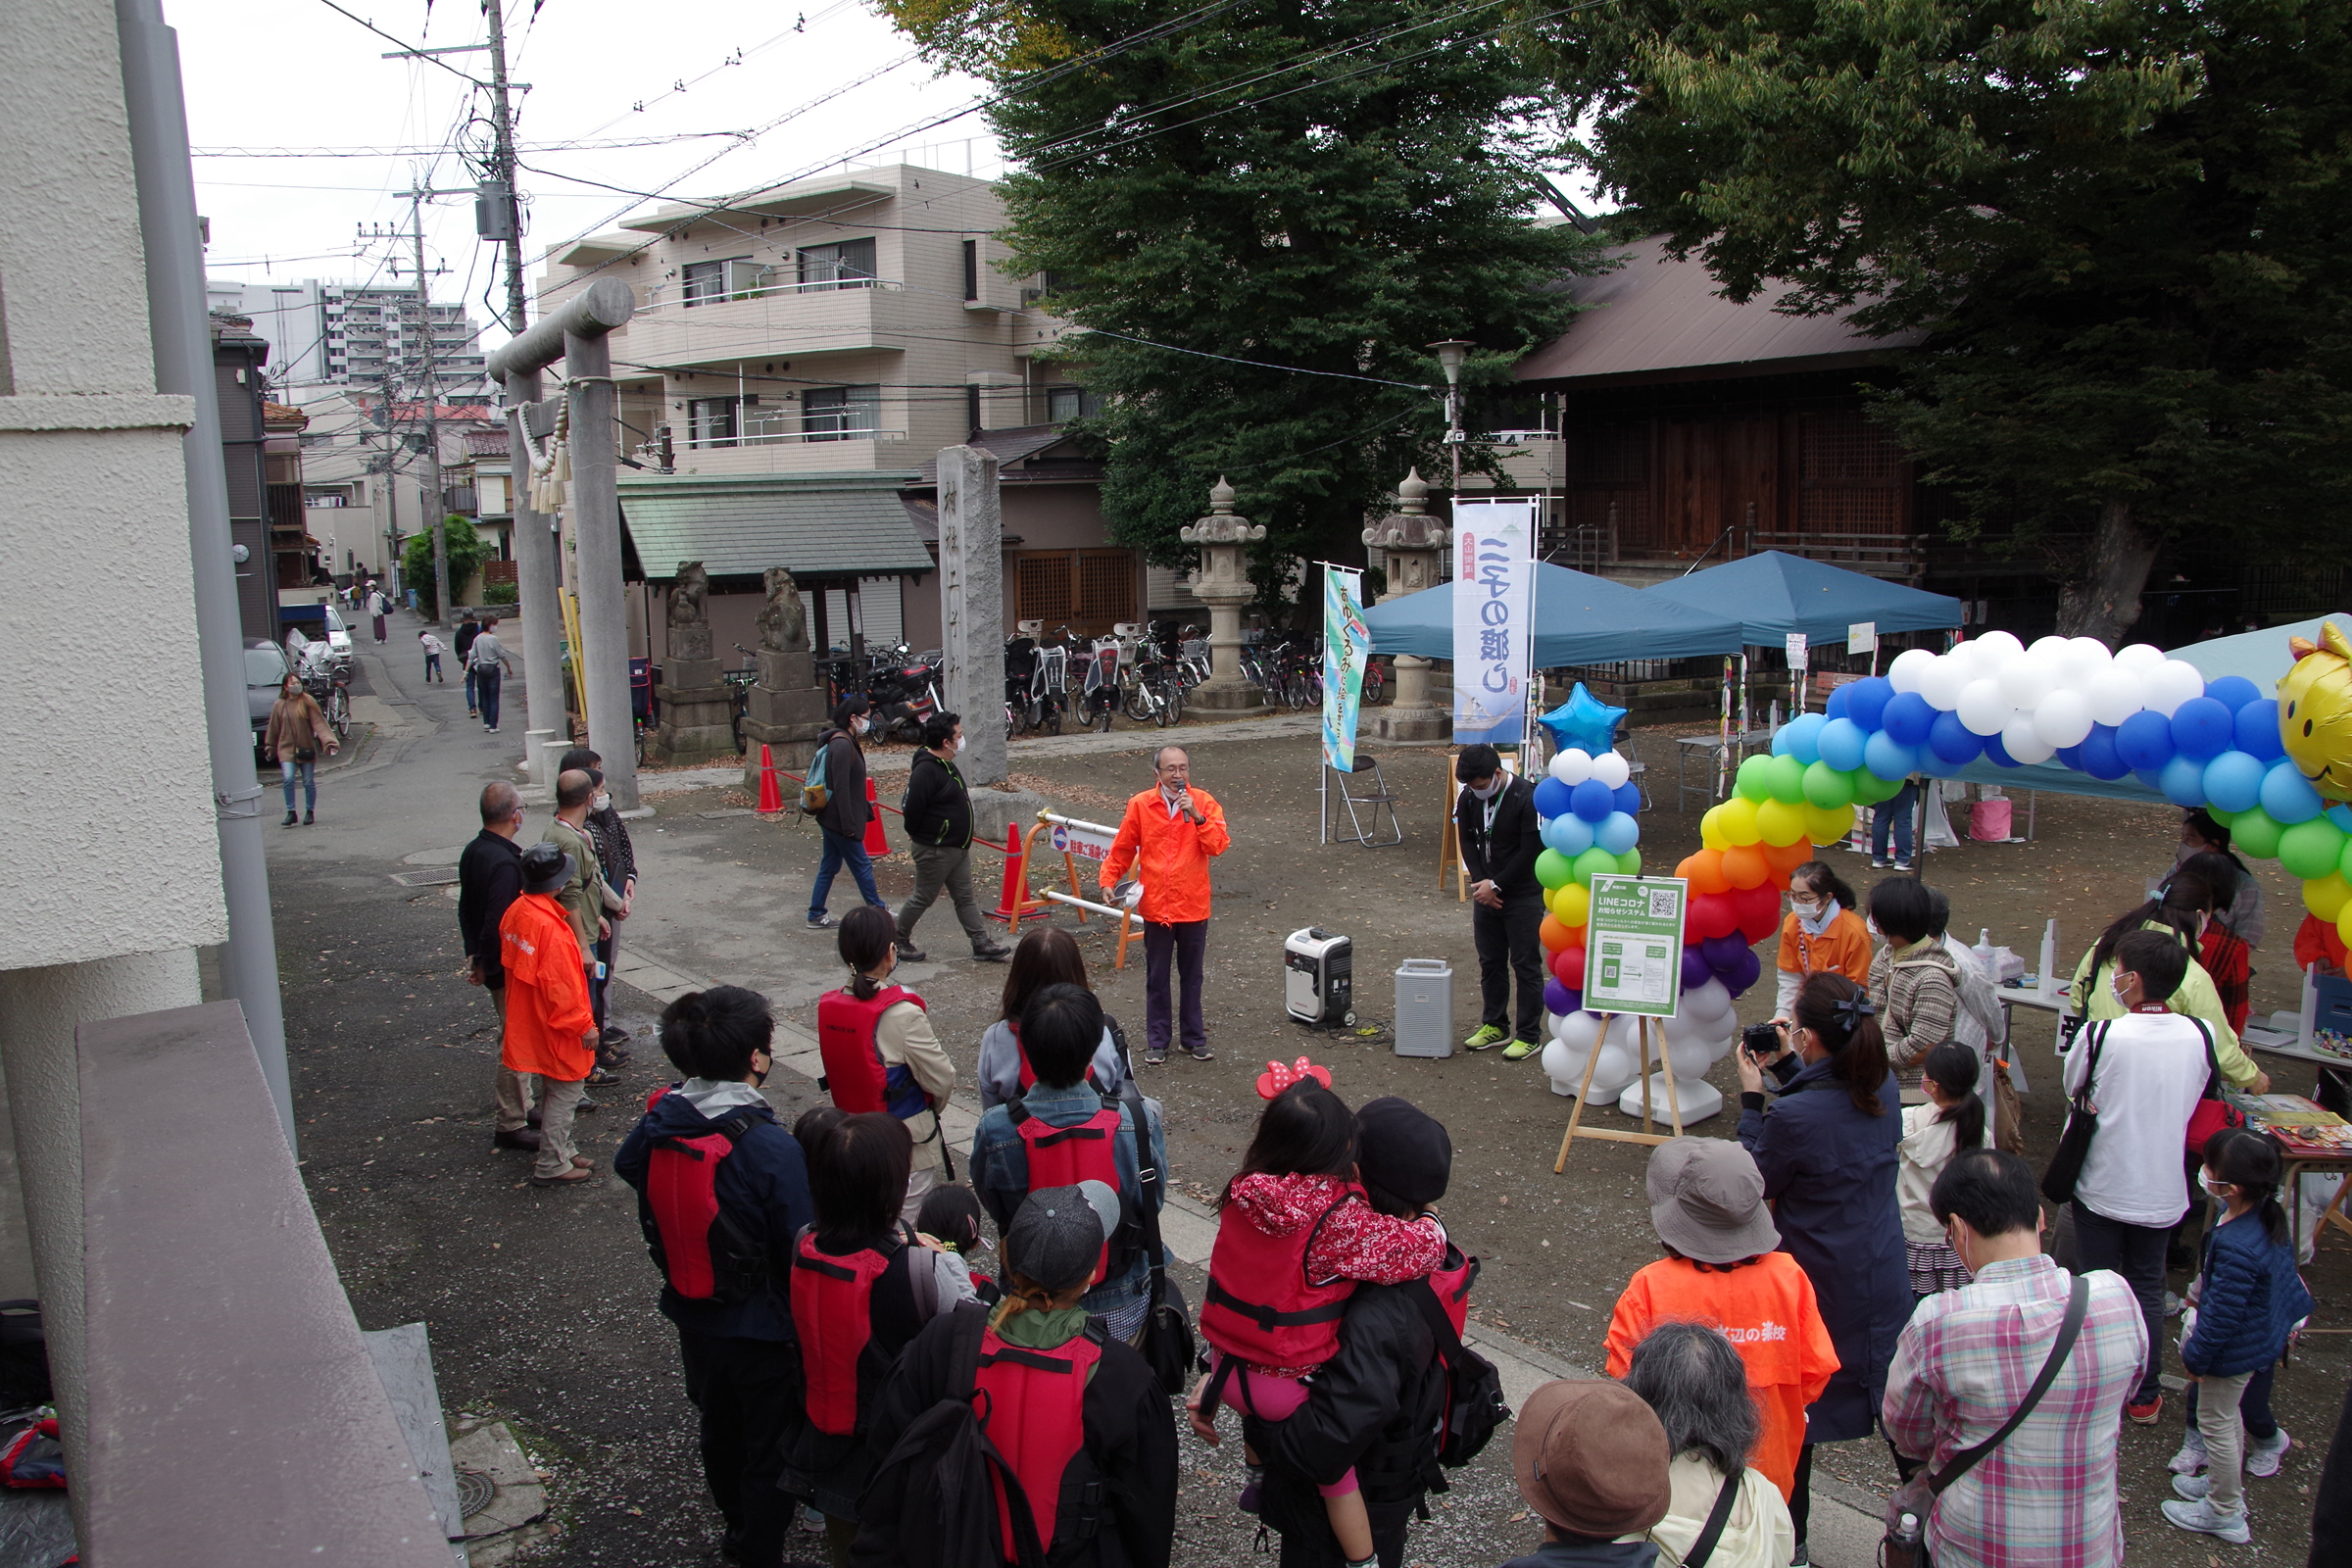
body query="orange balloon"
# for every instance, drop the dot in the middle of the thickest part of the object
(1576, 935)
(1553, 934)
(1785, 858)
(1746, 868)
(1704, 872)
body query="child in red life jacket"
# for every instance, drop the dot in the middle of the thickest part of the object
(878, 1050)
(721, 1191)
(1293, 1233)
(1047, 955)
(1080, 1445)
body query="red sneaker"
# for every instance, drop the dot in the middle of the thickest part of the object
(2145, 1415)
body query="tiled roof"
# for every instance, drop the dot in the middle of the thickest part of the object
(822, 525)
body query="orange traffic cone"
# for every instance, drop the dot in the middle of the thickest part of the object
(771, 794)
(1015, 901)
(877, 842)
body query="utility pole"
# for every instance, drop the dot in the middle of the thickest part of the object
(432, 409)
(501, 166)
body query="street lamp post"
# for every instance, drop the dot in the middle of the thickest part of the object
(1450, 355)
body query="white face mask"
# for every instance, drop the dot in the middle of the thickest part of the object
(602, 803)
(859, 724)
(1873, 926)
(1492, 788)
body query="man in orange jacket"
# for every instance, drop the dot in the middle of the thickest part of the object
(551, 1027)
(1168, 834)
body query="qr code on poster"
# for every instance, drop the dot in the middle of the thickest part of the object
(1661, 904)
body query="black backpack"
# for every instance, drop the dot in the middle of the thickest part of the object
(938, 1482)
(1474, 1403)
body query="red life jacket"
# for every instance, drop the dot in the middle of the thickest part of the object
(1451, 1280)
(1064, 1156)
(701, 1252)
(1028, 1074)
(1032, 1406)
(1260, 1308)
(832, 1316)
(852, 1061)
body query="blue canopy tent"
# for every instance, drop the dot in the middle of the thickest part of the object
(1580, 619)
(1774, 594)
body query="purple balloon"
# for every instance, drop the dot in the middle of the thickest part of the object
(1867, 704)
(1723, 952)
(1696, 971)
(1743, 974)
(1592, 801)
(1558, 1000)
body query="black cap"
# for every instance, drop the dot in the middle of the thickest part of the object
(1402, 1151)
(1057, 1235)
(545, 867)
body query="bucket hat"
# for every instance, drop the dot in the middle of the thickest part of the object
(1706, 1199)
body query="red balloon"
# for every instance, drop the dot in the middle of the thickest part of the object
(1568, 968)
(1703, 872)
(1759, 910)
(1713, 914)
(1746, 868)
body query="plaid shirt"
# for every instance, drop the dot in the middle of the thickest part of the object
(2046, 1496)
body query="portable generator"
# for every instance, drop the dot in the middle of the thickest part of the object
(1319, 978)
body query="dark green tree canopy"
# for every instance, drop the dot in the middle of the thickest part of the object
(1326, 187)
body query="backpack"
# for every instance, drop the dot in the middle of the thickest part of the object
(941, 1478)
(815, 792)
(1474, 1403)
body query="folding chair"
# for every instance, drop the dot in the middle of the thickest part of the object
(1380, 799)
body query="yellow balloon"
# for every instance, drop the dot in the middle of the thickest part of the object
(1572, 903)
(1780, 823)
(1710, 829)
(2327, 896)
(1830, 826)
(2343, 926)
(1741, 828)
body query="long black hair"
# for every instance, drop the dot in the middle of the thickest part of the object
(2225, 874)
(2251, 1162)
(1952, 1067)
(867, 933)
(1857, 1051)
(1821, 877)
(2183, 898)
(1307, 1130)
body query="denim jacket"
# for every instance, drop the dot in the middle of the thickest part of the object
(1000, 1171)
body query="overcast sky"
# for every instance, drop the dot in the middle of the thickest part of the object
(268, 75)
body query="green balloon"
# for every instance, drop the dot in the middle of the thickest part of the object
(1828, 788)
(2257, 833)
(1554, 870)
(2345, 865)
(1754, 772)
(1630, 863)
(2222, 816)
(1594, 859)
(1784, 779)
(2312, 848)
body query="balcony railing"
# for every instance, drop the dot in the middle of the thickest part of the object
(775, 429)
(670, 294)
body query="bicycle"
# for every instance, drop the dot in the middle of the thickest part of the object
(739, 701)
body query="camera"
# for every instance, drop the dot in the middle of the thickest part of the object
(1760, 1040)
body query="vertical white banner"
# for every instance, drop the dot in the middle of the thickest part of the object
(1494, 618)
(1346, 644)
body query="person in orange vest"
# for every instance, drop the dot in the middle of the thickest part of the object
(879, 1051)
(1169, 835)
(1823, 930)
(1084, 1442)
(551, 1025)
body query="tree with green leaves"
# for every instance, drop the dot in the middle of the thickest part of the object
(2125, 225)
(1257, 216)
(468, 550)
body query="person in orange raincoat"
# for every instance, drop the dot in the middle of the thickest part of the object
(551, 1027)
(1168, 835)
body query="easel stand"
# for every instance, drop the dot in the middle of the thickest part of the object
(1673, 1106)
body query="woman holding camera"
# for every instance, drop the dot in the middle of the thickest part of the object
(1827, 1150)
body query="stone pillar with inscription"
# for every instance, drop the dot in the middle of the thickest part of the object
(1223, 584)
(1410, 542)
(787, 702)
(696, 705)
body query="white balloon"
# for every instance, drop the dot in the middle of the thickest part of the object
(2090, 648)
(1611, 768)
(1578, 1031)
(2046, 647)
(1612, 1071)
(1983, 707)
(2063, 718)
(1709, 1001)
(2140, 657)
(2029, 679)
(1571, 767)
(2080, 662)
(1689, 1059)
(1563, 1067)
(2172, 683)
(2000, 645)
(2023, 743)
(1909, 671)
(1945, 679)
(2115, 694)
(1683, 1029)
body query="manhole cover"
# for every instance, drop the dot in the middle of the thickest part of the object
(476, 1493)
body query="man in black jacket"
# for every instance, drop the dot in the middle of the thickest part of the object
(1494, 818)
(1377, 1405)
(490, 878)
(841, 819)
(939, 834)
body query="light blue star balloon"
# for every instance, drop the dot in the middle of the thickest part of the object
(1584, 721)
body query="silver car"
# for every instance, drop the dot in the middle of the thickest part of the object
(265, 671)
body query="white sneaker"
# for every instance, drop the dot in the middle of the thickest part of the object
(2200, 1517)
(2192, 1457)
(2264, 1458)
(2192, 1486)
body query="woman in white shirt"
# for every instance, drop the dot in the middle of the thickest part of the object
(1723, 1514)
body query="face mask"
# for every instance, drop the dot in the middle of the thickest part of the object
(1804, 906)
(1493, 787)
(602, 803)
(858, 725)
(2220, 1190)
(1873, 926)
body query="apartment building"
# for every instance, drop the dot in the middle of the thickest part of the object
(326, 335)
(801, 354)
(363, 472)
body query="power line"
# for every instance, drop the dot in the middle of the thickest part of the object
(568, 145)
(401, 43)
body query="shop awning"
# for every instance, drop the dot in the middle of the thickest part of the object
(817, 525)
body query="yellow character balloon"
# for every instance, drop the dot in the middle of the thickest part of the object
(2315, 712)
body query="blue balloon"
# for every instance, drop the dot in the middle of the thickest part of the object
(1780, 741)
(1628, 799)
(2144, 741)
(2097, 751)
(2182, 780)
(2233, 692)
(1592, 799)
(1568, 833)
(2234, 781)
(1889, 758)
(1834, 708)
(2288, 796)
(1584, 721)
(1934, 765)
(2072, 756)
(1617, 833)
(2202, 729)
(1909, 717)
(1551, 798)
(2341, 817)
(2255, 730)
(1996, 754)
(2150, 778)
(1954, 742)
(1842, 744)
(1867, 707)
(1803, 732)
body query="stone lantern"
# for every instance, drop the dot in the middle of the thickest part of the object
(1223, 584)
(1410, 542)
